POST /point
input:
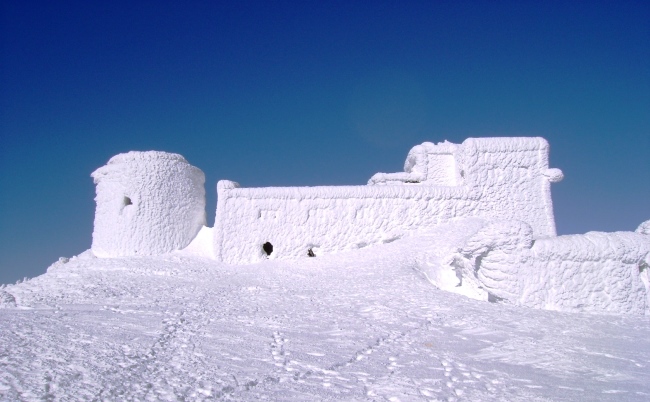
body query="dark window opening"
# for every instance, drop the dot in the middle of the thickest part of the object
(268, 248)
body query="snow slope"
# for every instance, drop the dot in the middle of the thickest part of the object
(361, 326)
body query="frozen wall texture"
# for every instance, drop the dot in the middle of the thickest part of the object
(600, 272)
(148, 203)
(493, 178)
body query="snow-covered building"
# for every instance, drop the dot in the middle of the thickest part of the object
(148, 203)
(484, 205)
(491, 178)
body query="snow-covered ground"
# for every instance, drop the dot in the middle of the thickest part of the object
(363, 325)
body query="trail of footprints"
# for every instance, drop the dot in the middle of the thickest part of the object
(459, 378)
(454, 377)
(452, 382)
(277, 350)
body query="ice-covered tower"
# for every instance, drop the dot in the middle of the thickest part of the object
(148, 203)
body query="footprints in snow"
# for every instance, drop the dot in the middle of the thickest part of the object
(456, 376)
(277, 350)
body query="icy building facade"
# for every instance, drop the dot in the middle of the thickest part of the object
(492, 178)
(493, 193)
(148, 203)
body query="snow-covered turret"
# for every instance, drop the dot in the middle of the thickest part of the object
(148, 203)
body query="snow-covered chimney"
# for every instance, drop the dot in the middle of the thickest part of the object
(148, 203)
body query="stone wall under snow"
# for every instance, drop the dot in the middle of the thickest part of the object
(492, 178)
(148, 203)
(324, 219)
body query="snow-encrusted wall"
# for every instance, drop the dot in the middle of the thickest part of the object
(597, 271)
(324, 219)
(493, 178)
(148, 203)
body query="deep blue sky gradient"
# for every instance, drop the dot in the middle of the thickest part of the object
(312, 93)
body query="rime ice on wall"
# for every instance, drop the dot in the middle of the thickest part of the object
(323, 219)
(603, 272)
(147, 203)
(504, 174)
(512, 179)
(493, 178)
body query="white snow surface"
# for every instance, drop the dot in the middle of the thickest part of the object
(363, 325)
(148, 203)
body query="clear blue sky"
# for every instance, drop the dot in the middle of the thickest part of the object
(312, 93)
